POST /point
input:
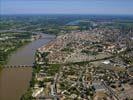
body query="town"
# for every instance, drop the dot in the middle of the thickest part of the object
(93, 64)
(66, 49)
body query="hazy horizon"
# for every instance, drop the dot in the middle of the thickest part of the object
(87, 7)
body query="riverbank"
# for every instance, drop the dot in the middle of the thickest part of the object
(0, 68)
(10, 42)
(15, 49)
(22, 56)
(9, 54)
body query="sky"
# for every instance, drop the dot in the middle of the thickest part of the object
(119, 7)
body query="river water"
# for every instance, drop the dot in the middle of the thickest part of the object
(15, 81)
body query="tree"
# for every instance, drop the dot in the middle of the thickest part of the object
(27, 95)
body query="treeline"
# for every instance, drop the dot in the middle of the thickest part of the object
(10, 42)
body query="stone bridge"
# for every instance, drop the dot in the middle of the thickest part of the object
(17, 66)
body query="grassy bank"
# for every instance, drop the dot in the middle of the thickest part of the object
(6, 55)
(0, 68)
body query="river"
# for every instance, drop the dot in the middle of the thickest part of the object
(15, 81)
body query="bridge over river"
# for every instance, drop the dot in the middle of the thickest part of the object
(17, 73)
(19, 66)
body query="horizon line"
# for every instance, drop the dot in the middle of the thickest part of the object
(65, 14)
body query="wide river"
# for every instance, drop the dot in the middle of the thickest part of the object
(15, 81)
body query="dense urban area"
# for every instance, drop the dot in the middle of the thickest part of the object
(90, 59)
